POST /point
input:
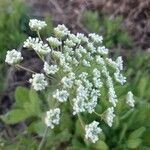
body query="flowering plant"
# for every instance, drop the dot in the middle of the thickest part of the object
(78, 67)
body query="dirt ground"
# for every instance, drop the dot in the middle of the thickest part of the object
(136, 14)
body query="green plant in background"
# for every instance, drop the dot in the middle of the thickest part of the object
(12, 18)
(111, 29)
(12, 14)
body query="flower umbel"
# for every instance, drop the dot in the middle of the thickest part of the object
(110, 116)
(38, 81)
(37, 25)
(130, 100)
(52, 117)
(13, 57)
(77, 69)
(92, 131)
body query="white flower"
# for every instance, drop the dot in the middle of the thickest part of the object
(97, 82)
(86, 99)
(112, 63)
(78, 105)
(83, 76)
(52, 117)
(91, 104)
(68, 50)
(119, 77)
(88, 84)
(119, 63)
(67, 82)
(50, 69)
(38, 81)
(96, 38)
(54, 42)
(74, 38)
(100, 60)
(37, 25)
(102, 50)
(96, 73)
(86, 63)
(111, 91)
(13, 57)
(61, 31)
(89, 56)
(91, 47)
(130, 100)
(82, 37)
(80, 49)
(78, 54)
(61, 95)
(71, 75)
(92, 131)
(70, 43)
(77, 82)
(30, 42)
(110, 116)
(42, 48)
(66, 67)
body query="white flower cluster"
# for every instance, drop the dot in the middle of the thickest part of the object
(50, 69)
(37, 25)
(54, 42)
(81, 67)
(13, 57)
(118, 66)
(61, 31)
(130, 100)
(92, 131)
(110, 116)
(38, 81)
(52, 117)
(37, 45)
(61, 96)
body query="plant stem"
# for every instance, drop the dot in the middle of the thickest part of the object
(81, 121)
(39, 35)
(40, 56)
(125, 127)
(21, 67)
(43, 140)
(100, 115)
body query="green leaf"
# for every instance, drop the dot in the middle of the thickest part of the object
(142, 86)
(35, 102)
(127, 114)
(79, 129)
(15, 116)
(134, 143)
(21, 95)
(100, 145)
(37, 127)
(137, 133)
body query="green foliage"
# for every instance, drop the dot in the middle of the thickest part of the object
(11, 25)
(12, 20)
(111, 29)
(27, 105)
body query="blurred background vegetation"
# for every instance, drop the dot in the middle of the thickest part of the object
(20, 130)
